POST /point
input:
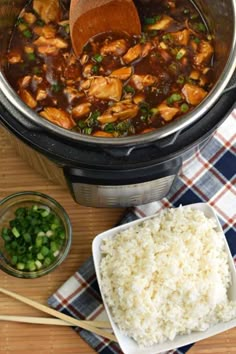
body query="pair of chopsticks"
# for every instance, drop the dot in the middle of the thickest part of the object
(61, 319)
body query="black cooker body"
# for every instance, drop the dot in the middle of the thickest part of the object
(103, 176)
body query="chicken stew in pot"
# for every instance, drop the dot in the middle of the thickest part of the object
(121, 85)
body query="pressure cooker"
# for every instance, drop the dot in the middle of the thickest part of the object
(106, 172)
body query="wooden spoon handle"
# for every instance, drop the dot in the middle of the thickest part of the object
(60, 315)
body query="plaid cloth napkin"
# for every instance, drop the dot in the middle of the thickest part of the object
(209, 175)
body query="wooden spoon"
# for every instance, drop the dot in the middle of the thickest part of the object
(90, 17)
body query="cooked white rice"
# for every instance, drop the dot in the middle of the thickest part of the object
(167, 276)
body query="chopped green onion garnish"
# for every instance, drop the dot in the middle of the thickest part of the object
(27, 33)
(167, 37)
(196, 40)
(201, 27)
(20, 266)
(81, 124)
(94, 115)
(20, 20)
(88, 130)
(194, 16)
(175, 97)
(180, 54)
(95, 69)
(152, 33)
(36, 70)
(45, 213)
(109, 127)
(40, 23)
(67, 28)
(143, 38)
(186, 11)
(180, 79)
(31, 56)
(57, 87)
(98, 58)
(149, 20)
(157, 18)
(184, 107)
(15, 232)
(129, 89)
(154, 111)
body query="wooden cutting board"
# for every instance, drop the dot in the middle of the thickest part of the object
(15, 176)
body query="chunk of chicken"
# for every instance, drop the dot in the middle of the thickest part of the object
(50, 46)
(165, 55)
(29, 17)
(58, 116)
(140, 97)
(181, 37)
(107, 118)
(147, 130)
(122, 73)
(117, 48)
(28, 98)
(104, 88)
(194, 75)
(53, 42)
(146, 48)
(88, 70)
(205, 52)
(138, 51)
(48, 50)
(25, 81)
(81, 110)
(119, 111)
(125, 110)
(161, 24)
(166, 112)
(193, 94)
(102, 134)
(41, 95)
(141, 81)
(171, 4)
(35, 82)
(84, 59)
(48, 31)
(38, 30)
(47, 10)
(14, 58)
(28, 49)
(132, 54)
(72, 93)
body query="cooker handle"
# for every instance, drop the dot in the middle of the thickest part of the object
(124, 152)
(168, 141)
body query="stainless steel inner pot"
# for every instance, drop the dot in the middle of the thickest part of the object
(221, 18)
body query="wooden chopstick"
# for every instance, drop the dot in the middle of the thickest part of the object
(80, 323)
(50, 321)
(36, 320)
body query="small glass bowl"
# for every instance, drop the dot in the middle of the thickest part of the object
(8, 206)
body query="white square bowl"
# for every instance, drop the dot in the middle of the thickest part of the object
(127, 344)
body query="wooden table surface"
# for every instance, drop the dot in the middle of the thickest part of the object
(15, 176)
